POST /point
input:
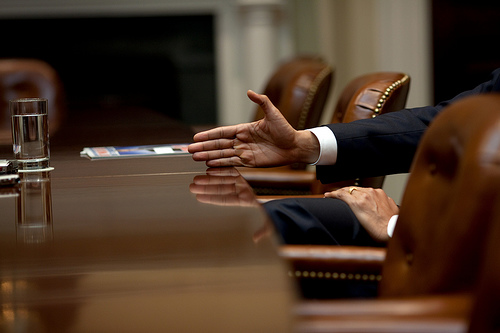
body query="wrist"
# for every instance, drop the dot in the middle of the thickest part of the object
(308, 148)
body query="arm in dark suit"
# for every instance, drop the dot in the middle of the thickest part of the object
(386, 144)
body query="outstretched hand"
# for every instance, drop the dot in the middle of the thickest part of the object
(271, 141)
(372, 207)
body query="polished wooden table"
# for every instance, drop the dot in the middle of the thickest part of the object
(129, 248)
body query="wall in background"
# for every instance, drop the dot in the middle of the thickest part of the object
(360, 36)
(465, 44)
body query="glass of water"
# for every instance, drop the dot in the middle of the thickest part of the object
(30, 133)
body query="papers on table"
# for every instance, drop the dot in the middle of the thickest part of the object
(134, 151)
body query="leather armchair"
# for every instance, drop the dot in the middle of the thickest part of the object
(299, 89)
(364, 97)
(23, 78)
(433, 264)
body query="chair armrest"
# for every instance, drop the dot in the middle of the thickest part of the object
(433, 305)
(265, 198)
(385, 324)
(337, 262)
(437, 313)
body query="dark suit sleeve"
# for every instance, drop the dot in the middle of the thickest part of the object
(386, 144)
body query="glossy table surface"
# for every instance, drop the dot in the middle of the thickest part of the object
(126, 245)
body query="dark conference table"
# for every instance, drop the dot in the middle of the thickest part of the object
(129, 248)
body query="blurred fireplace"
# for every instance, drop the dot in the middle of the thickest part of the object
(166, 63)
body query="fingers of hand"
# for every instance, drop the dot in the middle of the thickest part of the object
(353, 196)
(222, 189)
(225, 155)
(226, 200)
(223, 132)
(212, 180)
(211, 145)
(337, 194)
(362, 194)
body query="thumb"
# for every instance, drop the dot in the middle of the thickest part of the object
(262, 100)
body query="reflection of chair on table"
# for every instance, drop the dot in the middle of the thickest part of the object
(299, 89)
(365, 97)
(433, 262)
(24, 78)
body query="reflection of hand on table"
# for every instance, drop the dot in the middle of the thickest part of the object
(226, 187)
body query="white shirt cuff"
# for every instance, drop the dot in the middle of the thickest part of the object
(391, 225)
(327, 145)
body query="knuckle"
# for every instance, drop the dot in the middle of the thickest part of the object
(364, 196)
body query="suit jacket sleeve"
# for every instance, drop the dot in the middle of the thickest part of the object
(386, 144)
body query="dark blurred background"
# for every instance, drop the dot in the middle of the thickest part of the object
(165, 63)
(466, 42)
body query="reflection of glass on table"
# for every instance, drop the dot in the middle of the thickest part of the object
(34, 208)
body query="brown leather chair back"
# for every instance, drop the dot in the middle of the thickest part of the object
(299, 89)
(23, 78)
(368, 96)
(371, 95)
(447, 208)
(485, 312)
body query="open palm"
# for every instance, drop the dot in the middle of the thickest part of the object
(270, 141)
